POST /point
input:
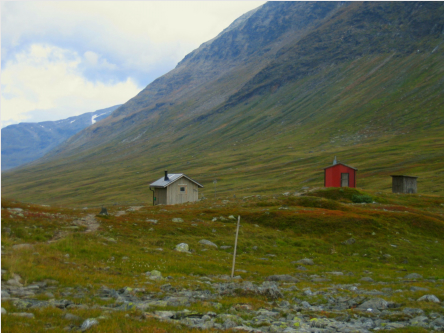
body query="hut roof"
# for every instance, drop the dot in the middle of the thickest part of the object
(172, 177)
(403, 176)
(339, 163)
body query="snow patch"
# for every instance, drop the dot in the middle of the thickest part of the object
(73, 121)
(93, 118)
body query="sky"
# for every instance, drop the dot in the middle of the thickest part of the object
(64, 58)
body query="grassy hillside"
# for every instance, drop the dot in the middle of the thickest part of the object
(381, 114)
(360, 81)
(76, 254)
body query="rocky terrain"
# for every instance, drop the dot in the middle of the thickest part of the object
(356, 307)
(166, 268)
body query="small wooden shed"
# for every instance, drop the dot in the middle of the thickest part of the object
(175, 188)
(404, 184)
(339, 175)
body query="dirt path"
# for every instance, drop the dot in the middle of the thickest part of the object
(89, 222)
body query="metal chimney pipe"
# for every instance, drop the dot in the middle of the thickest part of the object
(166, 175)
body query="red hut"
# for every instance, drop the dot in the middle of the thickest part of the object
(339, 175)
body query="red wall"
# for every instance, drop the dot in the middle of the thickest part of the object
(333, 176)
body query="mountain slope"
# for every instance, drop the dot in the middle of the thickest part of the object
(26, 142)
(363, 81)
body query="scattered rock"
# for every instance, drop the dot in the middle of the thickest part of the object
(22, 314)
(376, 303)
(182, 247)
(305, 261)
(413, 276)
(349, 241)
(177, 220)
(282, 278)
(3, 311)
(207, 242)
(429, 298)
(367, 279)
(87, 324)
(22, 246)
(70, 316)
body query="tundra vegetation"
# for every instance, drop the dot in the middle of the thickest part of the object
(313, 260)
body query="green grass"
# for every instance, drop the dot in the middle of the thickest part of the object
(311, 226)
(384, 124)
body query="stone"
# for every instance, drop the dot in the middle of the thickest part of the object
(413, 276)
(284, 278)
(3, 311)
(23, 314)
(152, 221)
(165, 314)
(155, 273)
(367, 279)
(177, 220)
(412, 311)
(182, 247)
(429, 298)
(207, 242)
(376, 303)
(418, 289)
(349, 241)
(70, 316)
(225, 247)
(87, 324)
(22, 246)
(305, 261)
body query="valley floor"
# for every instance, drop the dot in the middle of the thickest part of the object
(317, 261)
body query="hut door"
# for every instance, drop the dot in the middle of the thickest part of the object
(183, 193)
(344, 179)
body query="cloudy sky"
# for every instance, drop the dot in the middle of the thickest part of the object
(60, 59)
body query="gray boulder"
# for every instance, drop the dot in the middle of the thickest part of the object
(367, 279)
(349, 241)
(207, 242)
(88, 323)
(429, 298)
(22, 246)
(283, 278)
(305, 261)
(413, 276)
(182, 247)
(376, 303)
(177, 220)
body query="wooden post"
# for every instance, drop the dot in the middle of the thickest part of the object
(235, 246)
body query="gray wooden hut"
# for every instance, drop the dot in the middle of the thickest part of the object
(175, 188)
(404, 184)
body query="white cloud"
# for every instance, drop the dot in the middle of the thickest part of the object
(97, 53)
(46, 77)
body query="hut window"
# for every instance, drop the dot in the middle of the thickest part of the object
(183, 189)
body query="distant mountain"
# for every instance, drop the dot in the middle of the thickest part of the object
(267, 104)
(26, 142)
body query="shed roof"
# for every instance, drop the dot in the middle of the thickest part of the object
(172, 177)
(403, 176)
(339, 163)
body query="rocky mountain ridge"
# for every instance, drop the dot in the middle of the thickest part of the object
(25, 142)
